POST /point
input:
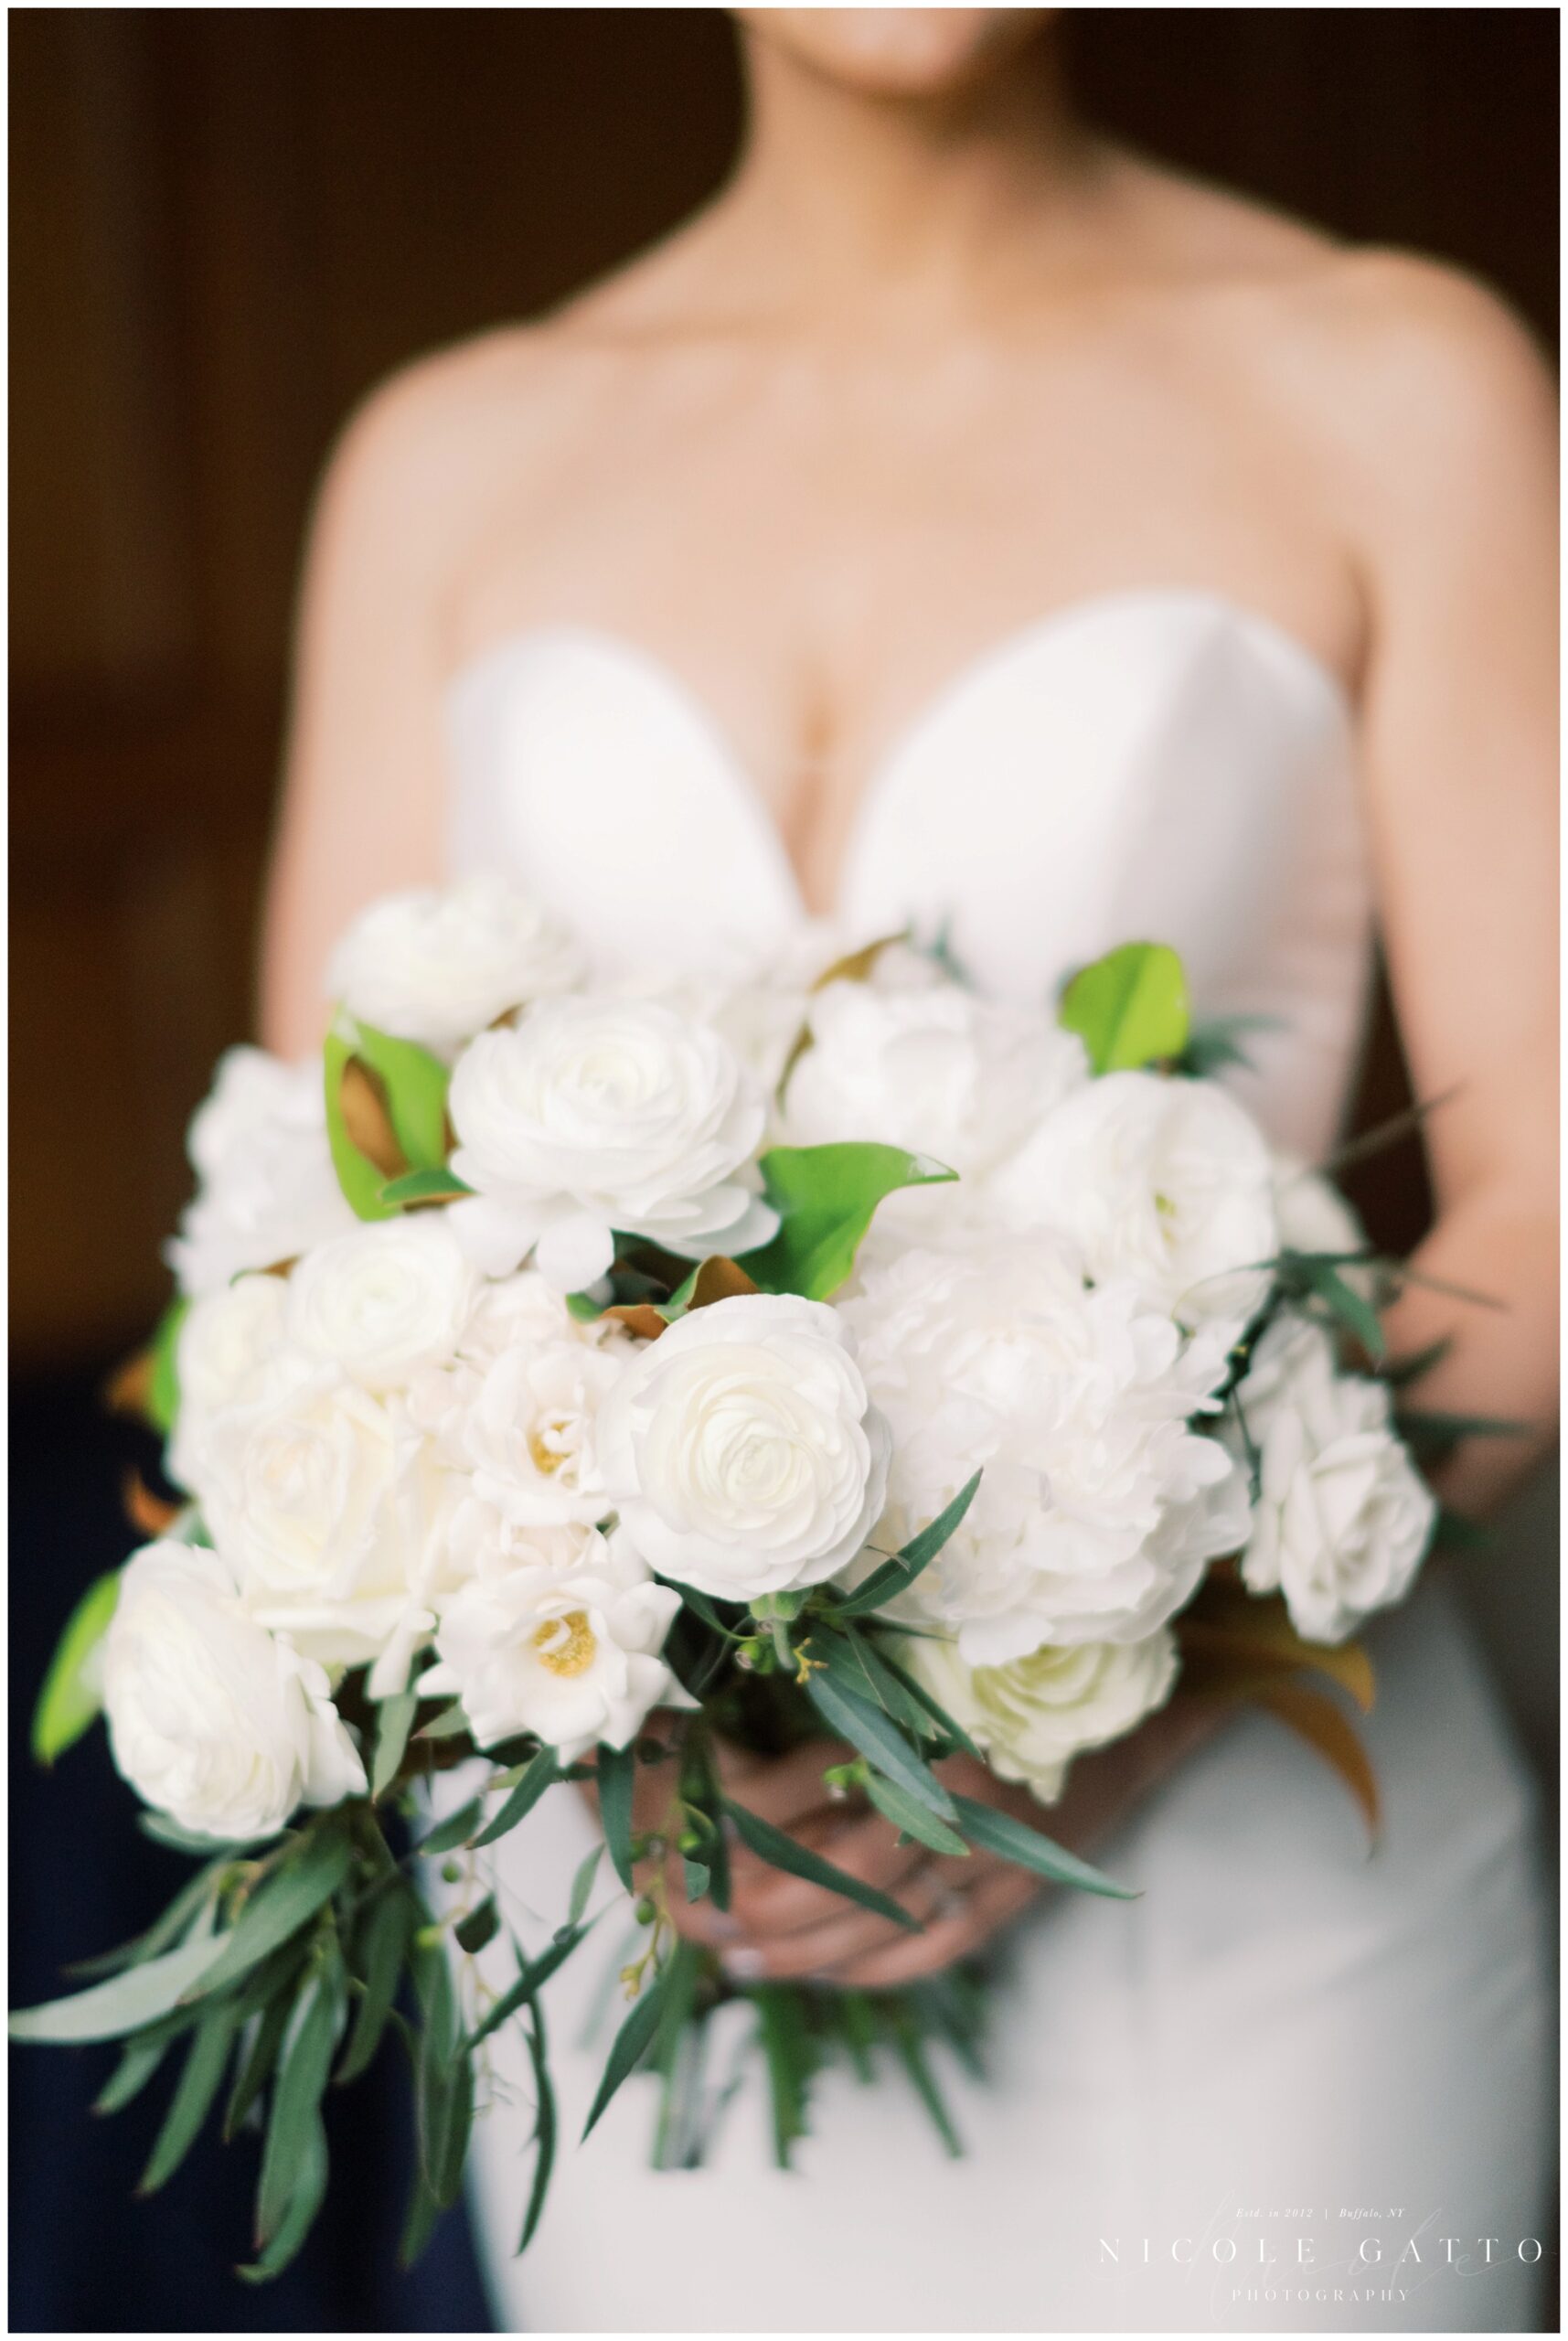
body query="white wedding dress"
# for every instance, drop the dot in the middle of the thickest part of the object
(1292, 2088)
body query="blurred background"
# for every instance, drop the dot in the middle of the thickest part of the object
(226, 225)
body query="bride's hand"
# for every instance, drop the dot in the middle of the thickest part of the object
(780, 1927)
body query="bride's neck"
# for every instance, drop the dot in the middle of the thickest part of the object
(853, 203)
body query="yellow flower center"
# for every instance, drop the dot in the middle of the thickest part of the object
(547, 1457)
(567, 1645)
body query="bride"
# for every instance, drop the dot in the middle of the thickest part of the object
(964, 519)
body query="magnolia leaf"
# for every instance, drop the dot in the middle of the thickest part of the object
(416, 1189)
(127, 2001)
(853, 967)
(1129, 1007)
(639, 1316)
(151, 1516)
(1315, 1719)
(413, 1094)
(71, 1695)
(1255, 1640)
(361, 1174)
(825, 1196)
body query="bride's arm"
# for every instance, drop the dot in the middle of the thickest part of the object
(1453, 475)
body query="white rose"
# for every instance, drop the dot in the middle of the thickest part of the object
(1033, 1715)
(330, 1507)
(1099, 1503)
(231, 1352)
(599, 1115)
(267, 1188)
(384, 1301)
(928, 1067)
(438, 967)
(1166, 1183)
(212, 1719)
(1343, 1519)
(561, 1637)
(742, 1448)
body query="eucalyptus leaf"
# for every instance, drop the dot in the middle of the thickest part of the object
(200, 2079)
(617, 1773)
(581, 1887)
(880, 1742)
(309, 2192)
(1129, 1007)
(394, 1720)
(381, 1948)
(302, 2070)
(545, 2125)
(303, 1883)
(125, 2001)
(139, 2060)
(530, 1981)
(913, 1819)
(825, 1196)
(629, 2046)
(541, 1774)
(781, 1851)
(999, 1832)
(72, 1694)
(455, 1830)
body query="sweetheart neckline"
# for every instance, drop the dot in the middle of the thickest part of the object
(970, 675)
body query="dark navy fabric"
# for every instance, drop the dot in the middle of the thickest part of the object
(85, 2255)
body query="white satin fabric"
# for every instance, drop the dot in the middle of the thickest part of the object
(1292, 2088)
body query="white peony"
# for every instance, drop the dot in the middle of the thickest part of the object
(1343, 1519)
(741, 1450)
(1033, 1715)
(267, 1189)
(330, 1508)
(1099, 1503)
(1165, 1184)
(927, 1066)
(596, 1116)
(231, 1352)
(384, 1301)
(558, 1635)
(438, 967)
(212, 1719)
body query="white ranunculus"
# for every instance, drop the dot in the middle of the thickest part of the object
(382, 1303)
(437, 967)
(930, 1067)
(1099, 1503)
(559, 1634)
(267, 1189)
(329, 1507)
(1033, 1715)
(741, 1450)
(212, 1719)
(529, 1431)
(596, 1116)
(1165, 1184)
(231, 1352)
(1343, 1519)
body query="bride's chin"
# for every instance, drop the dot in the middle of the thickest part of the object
(895, 52)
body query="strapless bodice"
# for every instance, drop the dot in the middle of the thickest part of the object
(1157, 766)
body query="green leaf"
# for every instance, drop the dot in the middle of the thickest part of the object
(933, 1707)
(441, 2062)
(305, 1880)
(445, 1725)
(541, 1774)
(309, 2193)
(394, 1720)
(850, 1658)
(581, 1887)
(878, 1741)
(358, 1177)
(455, 1830)
(139, 2060)
(617, 1772)
(380, 1948)
(897, 1574)
(436, 1186)
(1430, 1427)
(163, 1386)
(125, 2003)
(415, 1086)
(544, 2125)
(1017, 1841)
(1353, 1311)
(791, 2056)
(302, 2070)
(772, 1845)
(165, 1929)
(825, 1196)
(1129, 1007)
(529, 1984)
(72, 1696)
(1216, 1044)
(480, 1926)
(913, 1818)
(257, 2063)
(907, 2040)
(192, 2101)
(630, 2045)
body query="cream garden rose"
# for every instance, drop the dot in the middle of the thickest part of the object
(600, 1115)
(560, 1634)
(438, 965)
(1342, 1519)
(741, 1450)
(212, 1719)
(267, 1191)
(393, 1296)
(1164, 1184)
(1033, 1715)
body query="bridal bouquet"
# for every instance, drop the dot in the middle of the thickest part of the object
(570, 1378)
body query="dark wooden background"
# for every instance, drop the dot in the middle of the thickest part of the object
(227, 223)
